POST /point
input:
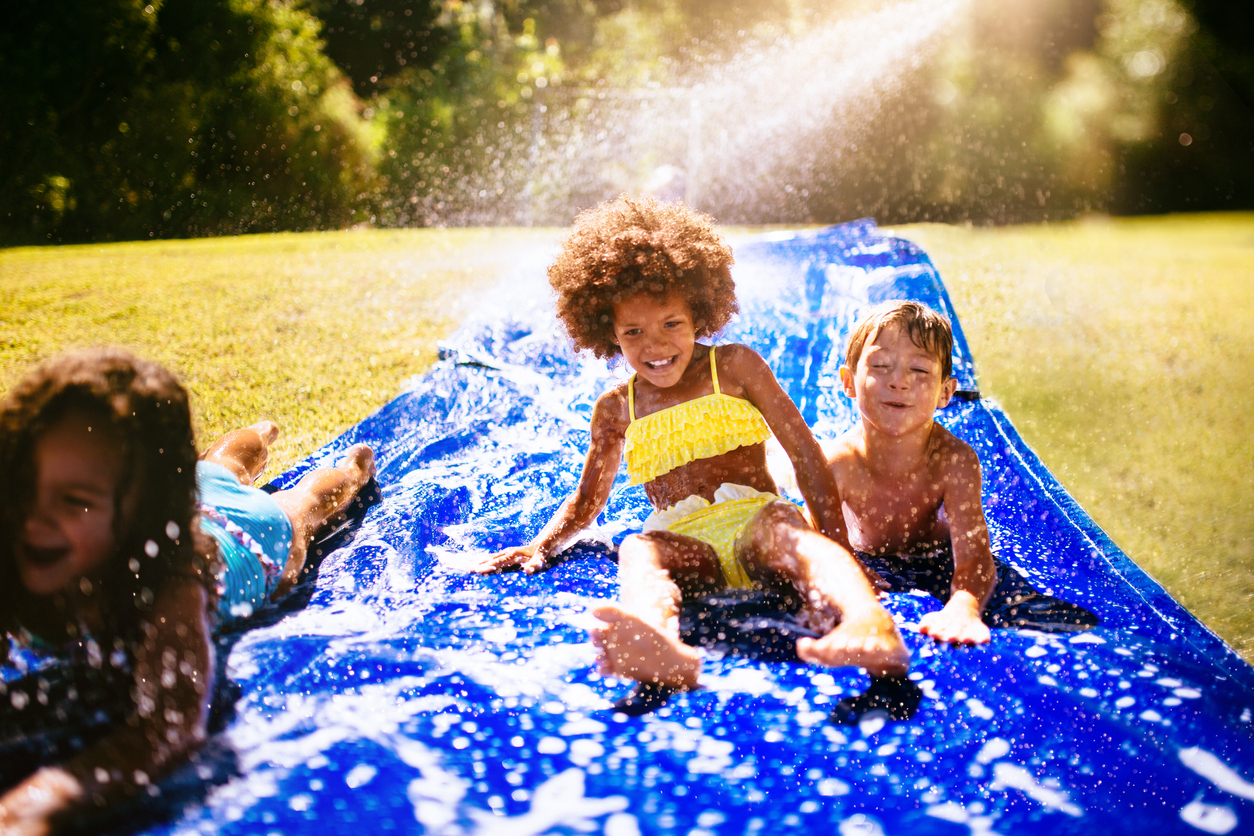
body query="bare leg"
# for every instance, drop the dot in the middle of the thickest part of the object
(640, 639)
(830, 580)
(318, 496)
(244, 452)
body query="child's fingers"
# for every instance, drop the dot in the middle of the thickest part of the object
(495, 563)
(508, 558)
(608, 614)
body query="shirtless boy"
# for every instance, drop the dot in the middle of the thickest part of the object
(907, 485)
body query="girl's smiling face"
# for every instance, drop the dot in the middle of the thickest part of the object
(69, 531)
(656, 335)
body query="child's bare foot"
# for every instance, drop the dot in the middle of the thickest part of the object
(632, 648)
(869, 640)
(268, 430)
(358, 463)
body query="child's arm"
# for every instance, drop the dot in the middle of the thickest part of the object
(814, 477)
(975, 574)
(173, 673)
(605, 453)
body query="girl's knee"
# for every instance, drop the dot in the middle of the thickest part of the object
(776, 519)
(636, 549)
(655, 551)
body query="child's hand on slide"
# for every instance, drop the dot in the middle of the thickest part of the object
(958, 623)
(525, 557)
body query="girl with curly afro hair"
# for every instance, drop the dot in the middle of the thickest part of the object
(646, 280)
(120, 549)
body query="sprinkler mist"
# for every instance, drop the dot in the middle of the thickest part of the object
(753, 137)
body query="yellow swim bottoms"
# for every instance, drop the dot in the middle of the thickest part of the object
(719, 524)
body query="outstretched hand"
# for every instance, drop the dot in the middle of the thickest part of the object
(526, 558)
(958, 623)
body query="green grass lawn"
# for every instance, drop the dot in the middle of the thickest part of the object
(1123, 350)
(314, 331)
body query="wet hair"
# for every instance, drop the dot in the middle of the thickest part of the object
(145, 409)
(928, 330)
(633, 245)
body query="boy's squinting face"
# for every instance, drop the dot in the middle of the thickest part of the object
(657, 336)
(68, 533)
(897, 384)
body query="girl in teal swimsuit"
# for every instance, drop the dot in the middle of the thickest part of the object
(645, 280)
(118, 546)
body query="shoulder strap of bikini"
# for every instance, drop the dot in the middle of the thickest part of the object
(631, 400)
(714, 371)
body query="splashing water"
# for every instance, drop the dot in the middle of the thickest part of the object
(746, 138)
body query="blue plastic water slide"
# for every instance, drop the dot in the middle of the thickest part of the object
(401, 694)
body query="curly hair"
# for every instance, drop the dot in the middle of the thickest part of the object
(147, 410)
(927, 329)
(633, 245)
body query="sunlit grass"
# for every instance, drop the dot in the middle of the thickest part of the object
(314, 331)
(1123, 351)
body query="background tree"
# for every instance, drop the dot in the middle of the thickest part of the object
(184, 117)
(128, 119)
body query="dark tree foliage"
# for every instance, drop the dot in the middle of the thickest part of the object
(185, 117)
(372, 40)
(1203, 157)
(1230, 25)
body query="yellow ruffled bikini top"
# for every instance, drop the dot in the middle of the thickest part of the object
(697, 429)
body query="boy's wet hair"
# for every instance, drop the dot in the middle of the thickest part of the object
(145, 408)
(928, 330)
(633, 245)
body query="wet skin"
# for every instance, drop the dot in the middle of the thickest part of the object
(64, 543)
(68, 537)
(640, 639)
(68, 532)
(908, 485)
(321, 494)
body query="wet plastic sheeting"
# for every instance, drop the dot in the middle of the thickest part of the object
(408, 696)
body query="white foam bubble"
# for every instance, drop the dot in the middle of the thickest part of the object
(741, 680)
(1217, 772)
(360, 775)
(832, 786)
(558, 802)
(979, 709)
(1013, 776)
(992, 750)
(949, 811)
(622, 824)
(871, 722)
(1209, 818)
(860, 825)
(549, 745)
